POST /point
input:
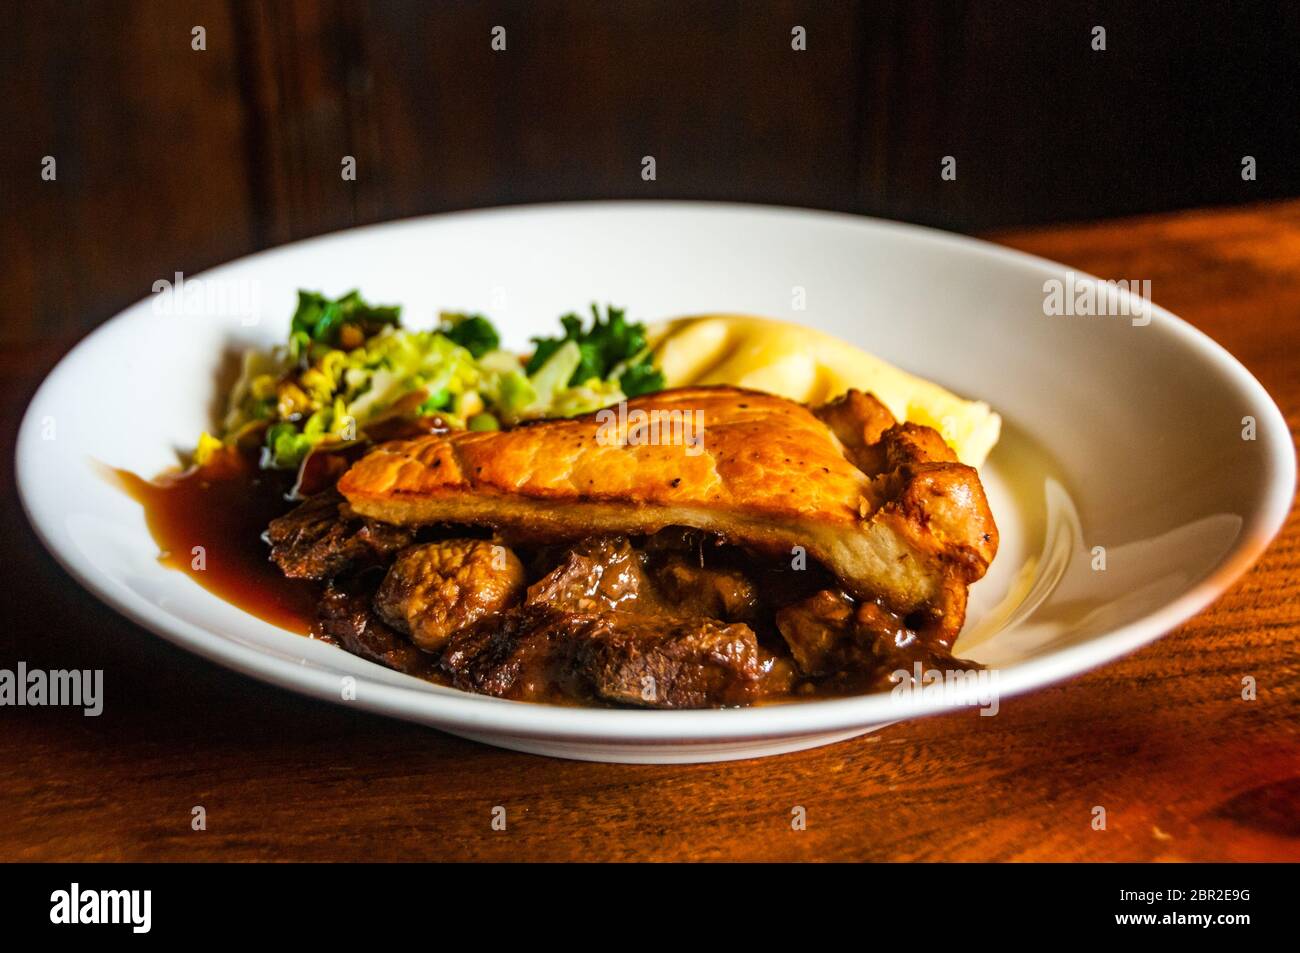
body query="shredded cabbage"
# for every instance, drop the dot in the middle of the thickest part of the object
(348, 364)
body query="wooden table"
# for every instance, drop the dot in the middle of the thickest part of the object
(1185, 769)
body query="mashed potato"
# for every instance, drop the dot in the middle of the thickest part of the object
(811, 366)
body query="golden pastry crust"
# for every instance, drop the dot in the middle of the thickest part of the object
(765, 472)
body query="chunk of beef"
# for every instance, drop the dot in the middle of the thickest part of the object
(436, 589)
(521, 654)
(597, 574)
(897, 643)
(683, 663)
(819, 631)
(829, 634)
(322, 537)
(345, 617)
(617, 657)
(712, 592)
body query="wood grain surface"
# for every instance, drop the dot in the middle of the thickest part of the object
(1162, 739)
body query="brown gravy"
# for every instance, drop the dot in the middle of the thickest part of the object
(225, 507)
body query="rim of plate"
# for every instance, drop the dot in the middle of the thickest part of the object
(443, 706)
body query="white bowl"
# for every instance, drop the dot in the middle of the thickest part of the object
(1121, 435)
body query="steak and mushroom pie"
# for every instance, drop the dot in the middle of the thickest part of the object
(783, 551)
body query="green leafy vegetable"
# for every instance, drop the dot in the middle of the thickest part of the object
(439, 400)
(641, 378)
(285, 446)
(347, 320)
(555, 373)
(473, 332)
(349, 363)
(603, 347)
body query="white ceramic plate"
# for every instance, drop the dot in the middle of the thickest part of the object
(1117, 435)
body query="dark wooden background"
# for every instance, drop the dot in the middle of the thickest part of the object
(174, 160)
(171, 159)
